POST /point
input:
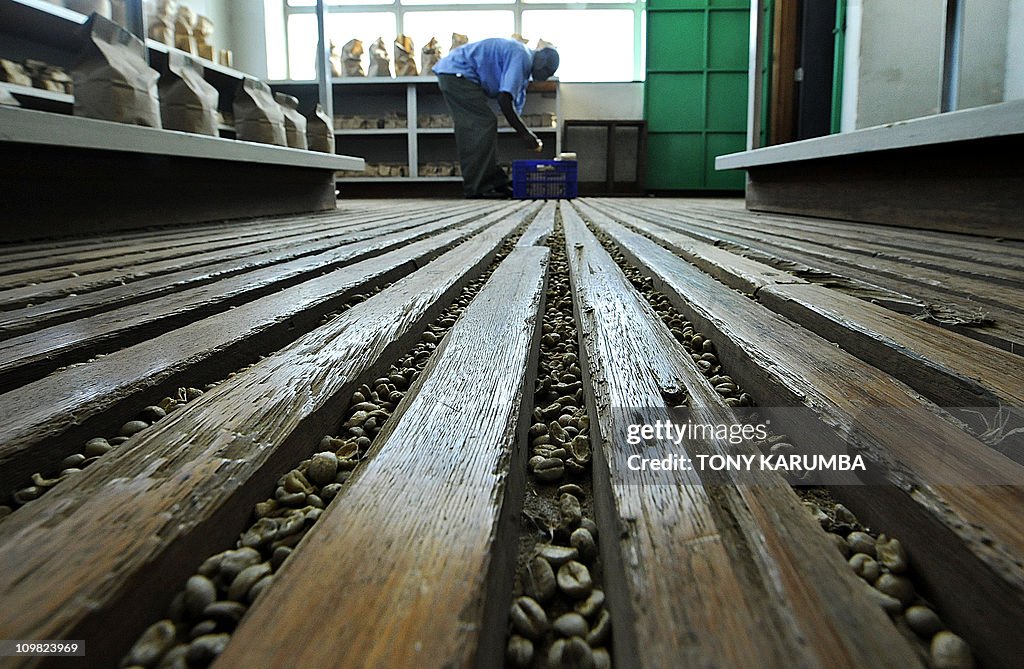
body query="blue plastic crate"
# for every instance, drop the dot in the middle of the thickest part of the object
(544, 179)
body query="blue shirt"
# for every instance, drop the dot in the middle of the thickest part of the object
(496, 64)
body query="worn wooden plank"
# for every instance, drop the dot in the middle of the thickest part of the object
(983, 250)
(715, 574)
(61, 245)
(27, 357)
(426, 518)
(146, 513)
(61, 265)
(1006, 330)
(126, 273)
(950, 498)
(538, 232)
(950, 369)
(200, 269)
(853, 247)
(885, 269)
(52, 417)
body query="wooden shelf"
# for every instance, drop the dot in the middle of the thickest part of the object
(26, 126)
(39, 98)
(956, 172)
(991, 121)
(412, 95)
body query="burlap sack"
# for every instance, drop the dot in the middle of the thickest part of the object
(320, 131)
(113, 82)
(430, 54)
(352, 59)
(258, 117)
(187, 101)
(380, 65)
(458, 40)
(294, 122)
(405, 63)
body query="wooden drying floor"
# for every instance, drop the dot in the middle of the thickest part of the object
(407, 563)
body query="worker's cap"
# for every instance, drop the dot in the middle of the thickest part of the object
(545, 62)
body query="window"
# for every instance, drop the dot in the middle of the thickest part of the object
(598, 40)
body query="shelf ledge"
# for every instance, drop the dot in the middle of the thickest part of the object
(998, 120)
(35, 127)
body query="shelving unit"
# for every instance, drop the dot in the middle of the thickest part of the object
(96, 175)
(413, 96)
(48, 32)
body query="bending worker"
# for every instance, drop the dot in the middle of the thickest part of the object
(491, 68)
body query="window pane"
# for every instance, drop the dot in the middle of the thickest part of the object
(302, 41)
(364, 26)
(460, 2)
(421, 26)
(593, 44)
(312, 3)
(580, 2)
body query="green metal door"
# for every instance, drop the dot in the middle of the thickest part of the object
(696, 91)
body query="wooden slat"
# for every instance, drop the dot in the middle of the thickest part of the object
(999, 252)
(936, 485)
(715, 574)
(428, 518)
(899, 272)
(28, 357)
(22, 251)
(52, 417)
(950, 369)
(125, 273)
(148, 512)
(916, 261)
(61, 265)
(538, 232)
(199, 269)
(1007, 331)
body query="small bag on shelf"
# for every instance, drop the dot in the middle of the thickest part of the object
(351, 64)
(320, 131)
(204, 38)
(294, 122)
(380, 66)
(258, 117)
(429, 55)
(161, 26)
(184, 30)
(458, 39)
(187, 101)
(405, 63)
(112, 79)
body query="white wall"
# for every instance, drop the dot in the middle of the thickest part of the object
(983, 52)
(1014, 67)
(624, 101)
(899, 67)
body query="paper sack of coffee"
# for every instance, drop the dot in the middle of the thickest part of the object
(258, 117)
(187, 101)
(113, 81)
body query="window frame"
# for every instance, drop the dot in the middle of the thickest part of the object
(638, 7)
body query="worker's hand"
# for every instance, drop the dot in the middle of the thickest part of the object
(533, 142)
